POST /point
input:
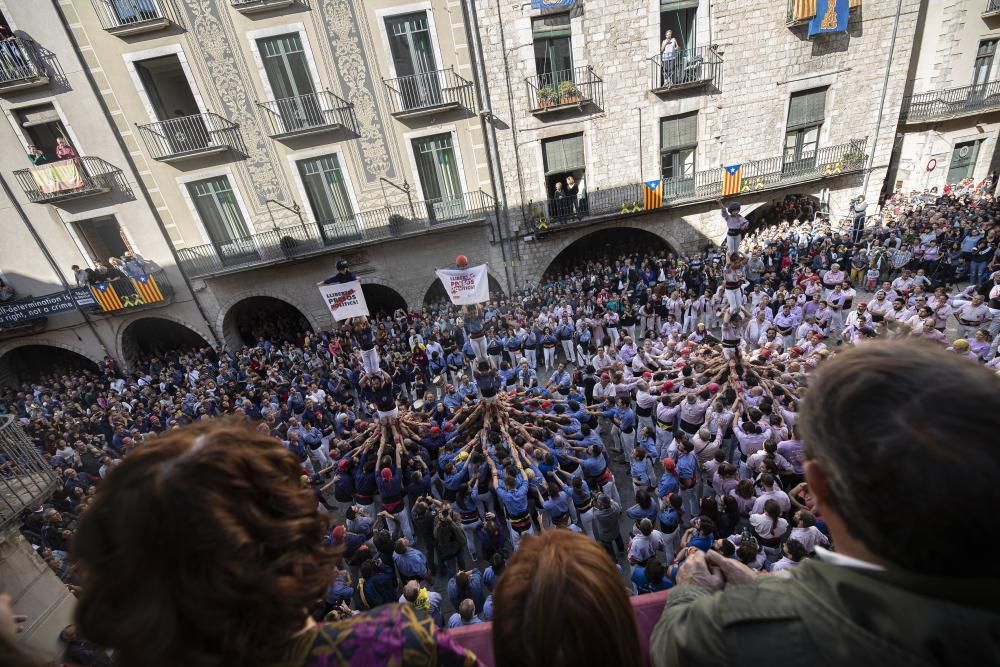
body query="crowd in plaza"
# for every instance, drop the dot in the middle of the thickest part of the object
(648, 404)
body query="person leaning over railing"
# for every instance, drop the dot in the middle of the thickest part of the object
(203, 548)
(885, 425)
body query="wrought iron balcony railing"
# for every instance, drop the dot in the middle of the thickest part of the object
(189, 136)
(706, 185)
(115, 296)
(306, 114)
(992, 8)
(951, 103)
(21, 65)
(311, 238)
(428, 92)
(255, 6)
(688, 68)
(68, 179)
(564, 89)
(131, 17)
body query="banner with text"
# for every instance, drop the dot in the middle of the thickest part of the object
(345, 300)
(466, 286)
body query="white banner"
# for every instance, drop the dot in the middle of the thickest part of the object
(466, 286)
(344, 300)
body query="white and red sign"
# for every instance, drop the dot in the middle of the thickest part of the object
(466, 286)
(345, 300)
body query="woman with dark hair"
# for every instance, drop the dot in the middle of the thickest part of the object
(202, 549)
(597, 628)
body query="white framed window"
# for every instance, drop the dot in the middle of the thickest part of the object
(163, 80)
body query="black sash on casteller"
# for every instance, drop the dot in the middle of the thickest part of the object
(643, 412)
(995, 304)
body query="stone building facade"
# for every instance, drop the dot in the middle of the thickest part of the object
(731, 82)
(260, 140)
(951, 116)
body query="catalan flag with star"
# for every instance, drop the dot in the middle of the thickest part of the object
(652, 194)
(106, 296)
(732, 180)
(148, 289)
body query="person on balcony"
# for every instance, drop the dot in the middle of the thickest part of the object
(668, 56)
(36, 155)
(572, 196)
(64, 151)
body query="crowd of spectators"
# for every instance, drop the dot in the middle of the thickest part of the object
(657, 418)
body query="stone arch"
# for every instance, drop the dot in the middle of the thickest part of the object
(436, 293)
(143, 335)
(553, 252)
(382, 298)
(765, 213)
(309, 314)
(276, 315)
(405, 294)
(12, 372)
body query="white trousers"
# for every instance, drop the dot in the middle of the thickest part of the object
(567, 346)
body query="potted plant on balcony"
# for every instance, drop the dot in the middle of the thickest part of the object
(548, 96)
(569, 93)
(854, 157)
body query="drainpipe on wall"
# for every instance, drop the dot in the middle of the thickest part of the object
(881, 106)
(510, 107)
(140, 186)
(51, 260)
(489, 132)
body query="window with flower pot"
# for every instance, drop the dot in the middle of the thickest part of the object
(551, 36)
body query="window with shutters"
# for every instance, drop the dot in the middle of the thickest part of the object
(565, 169)
(678, 17)
(678, 143)
(806, 111)
(42, 126)
(551, 38)
(983, 67)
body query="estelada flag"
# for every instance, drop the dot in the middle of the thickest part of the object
(148, 289)
(652, 194)
(732, 180)
(106, 296)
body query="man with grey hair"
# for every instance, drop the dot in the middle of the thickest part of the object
(884, 423)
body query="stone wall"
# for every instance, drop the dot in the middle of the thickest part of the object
(741, 118)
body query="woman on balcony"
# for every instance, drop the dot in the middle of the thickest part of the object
(668, 55)
(64, 151)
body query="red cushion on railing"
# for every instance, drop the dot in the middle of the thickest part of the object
(478, 638)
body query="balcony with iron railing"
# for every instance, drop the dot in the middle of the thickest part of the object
(992, 9)
(688, 68)
(131, 17)
(307, 114)
(313, 238)
(68, 179)
(428, 93)
(256, 6)
(706, 185)
(113, 297)
(938, 105)
(21, 65)
(565, 89)
(189, 137)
